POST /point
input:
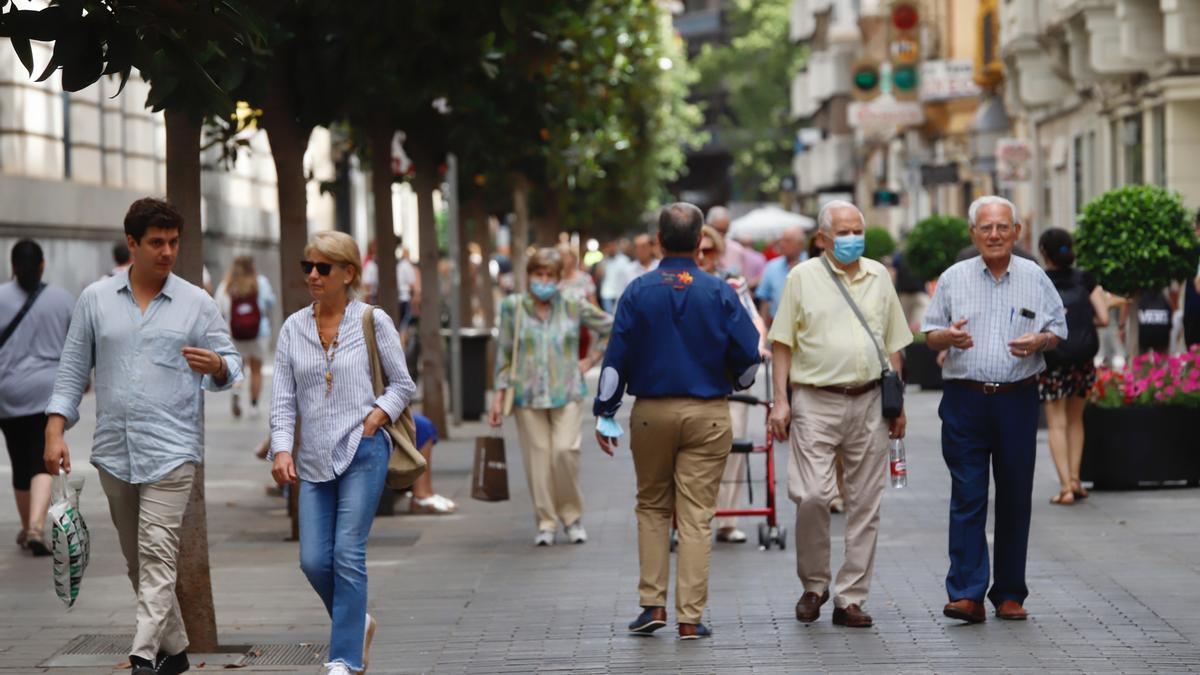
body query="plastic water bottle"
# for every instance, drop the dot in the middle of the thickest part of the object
(899, 465)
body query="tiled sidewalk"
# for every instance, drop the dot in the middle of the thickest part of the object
(1115, 581)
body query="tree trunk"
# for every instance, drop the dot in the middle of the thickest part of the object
(193, 586)
(388, 296)
(484, 289)
(288, 140)
(432, 366)
(520, 229)
(1132, 348)
(466, 275)
(550, 224)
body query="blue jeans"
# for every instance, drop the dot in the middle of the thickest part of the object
(978, 429)
(335, 519)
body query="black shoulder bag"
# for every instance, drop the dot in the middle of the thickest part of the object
(892, 395)
(12, 326)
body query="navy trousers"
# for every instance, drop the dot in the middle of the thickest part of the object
(979, 428)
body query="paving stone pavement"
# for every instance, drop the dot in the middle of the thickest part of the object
(1114, 580)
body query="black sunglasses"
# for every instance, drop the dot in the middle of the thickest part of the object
(322, 268)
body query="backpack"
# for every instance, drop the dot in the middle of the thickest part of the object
(1083, 342)
(245, 318)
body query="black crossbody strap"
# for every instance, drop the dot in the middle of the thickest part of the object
(883, 362)
(12, 326)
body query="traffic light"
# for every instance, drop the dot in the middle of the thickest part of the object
(866, 79)
(905, 82)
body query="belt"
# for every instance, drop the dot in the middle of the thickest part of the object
(995, 387)
(851, 391)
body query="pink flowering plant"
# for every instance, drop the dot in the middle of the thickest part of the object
(1151, 379)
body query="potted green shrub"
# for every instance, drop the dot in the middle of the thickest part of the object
(929, 250)
(1138, 426)
(880, 243)
(1136, 239)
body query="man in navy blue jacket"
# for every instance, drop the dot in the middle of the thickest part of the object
(681, 343)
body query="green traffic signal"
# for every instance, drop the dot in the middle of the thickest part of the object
(866, 79)
(905, 78)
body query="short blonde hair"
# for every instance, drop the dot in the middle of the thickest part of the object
(341, 249)
(712, 233)
(545, 259)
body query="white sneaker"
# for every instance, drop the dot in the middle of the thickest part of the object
(338, 668)
(731, 536)
(436, 504)
(367, 637)
(575, 532)
(544, 538)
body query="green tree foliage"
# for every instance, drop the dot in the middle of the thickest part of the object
(933, 245)
(753, 71)
(1136, 238)
(880, 243)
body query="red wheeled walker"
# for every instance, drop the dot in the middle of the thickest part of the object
(769, 532)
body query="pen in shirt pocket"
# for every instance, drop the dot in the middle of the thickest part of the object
(1012, 311)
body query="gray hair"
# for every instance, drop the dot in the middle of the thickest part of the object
(990, 200)
(825, 217)
(717, 213)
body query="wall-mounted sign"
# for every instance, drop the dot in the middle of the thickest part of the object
(884, 113)
(948, 79)
(939, 174)
(1014, 160)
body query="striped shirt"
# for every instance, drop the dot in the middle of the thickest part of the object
(1022, 301)
(332, 421)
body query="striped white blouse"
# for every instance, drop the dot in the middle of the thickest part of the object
(331, 424)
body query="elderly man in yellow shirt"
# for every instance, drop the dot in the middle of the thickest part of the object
(834, 368)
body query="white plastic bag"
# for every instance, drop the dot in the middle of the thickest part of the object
(70, 541)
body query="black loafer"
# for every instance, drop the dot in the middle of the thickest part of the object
(173, 665)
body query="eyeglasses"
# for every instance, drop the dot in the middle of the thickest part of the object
(322, 268)
(999, 228)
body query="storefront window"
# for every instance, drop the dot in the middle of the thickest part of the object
(1135, 150)
(1160, 146)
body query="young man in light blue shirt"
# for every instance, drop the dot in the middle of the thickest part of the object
(154, 341)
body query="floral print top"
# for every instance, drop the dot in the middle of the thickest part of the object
(546, 373)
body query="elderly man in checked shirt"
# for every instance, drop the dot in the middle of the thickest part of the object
(996, 313)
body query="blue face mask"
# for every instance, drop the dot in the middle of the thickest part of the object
(543, 290)
(849, 248)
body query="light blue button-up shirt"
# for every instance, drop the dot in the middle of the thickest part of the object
(148, 405)
(1023, 300)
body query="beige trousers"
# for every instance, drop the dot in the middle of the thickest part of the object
(148, 518)
(550, 450)
(825, 425)
(733, 480)
(679, 447)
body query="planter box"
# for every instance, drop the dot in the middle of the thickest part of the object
(921, 368)
(1126, 448)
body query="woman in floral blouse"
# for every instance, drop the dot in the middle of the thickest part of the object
(546, 377)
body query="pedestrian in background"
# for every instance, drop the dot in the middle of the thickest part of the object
(791, 253)
(644, 260)
(120, 254)
(832, 366)
(34, 319)
(155, 341)
(1191, 296)
(729, 495)
(614, 274)
(323, 379)
(424, 499)
(246, 300)
(577, 285)
(996, 314)
(681, 343)
(537, 356)
(1070, 368)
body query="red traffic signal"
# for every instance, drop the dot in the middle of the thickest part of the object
(905, 16)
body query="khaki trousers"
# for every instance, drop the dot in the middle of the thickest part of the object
(827, 425)
(679, 448)
(732, 481)
(148, 518)
(550, 450)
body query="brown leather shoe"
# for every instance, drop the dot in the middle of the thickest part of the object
(965, 610)
(851, 616)
(1011, 610)
(808, 609)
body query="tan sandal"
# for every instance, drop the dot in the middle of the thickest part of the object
(1063, 498)
(1078, 491)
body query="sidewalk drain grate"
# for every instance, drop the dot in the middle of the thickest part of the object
(302, 654)
(93, 644)
(103, 649)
